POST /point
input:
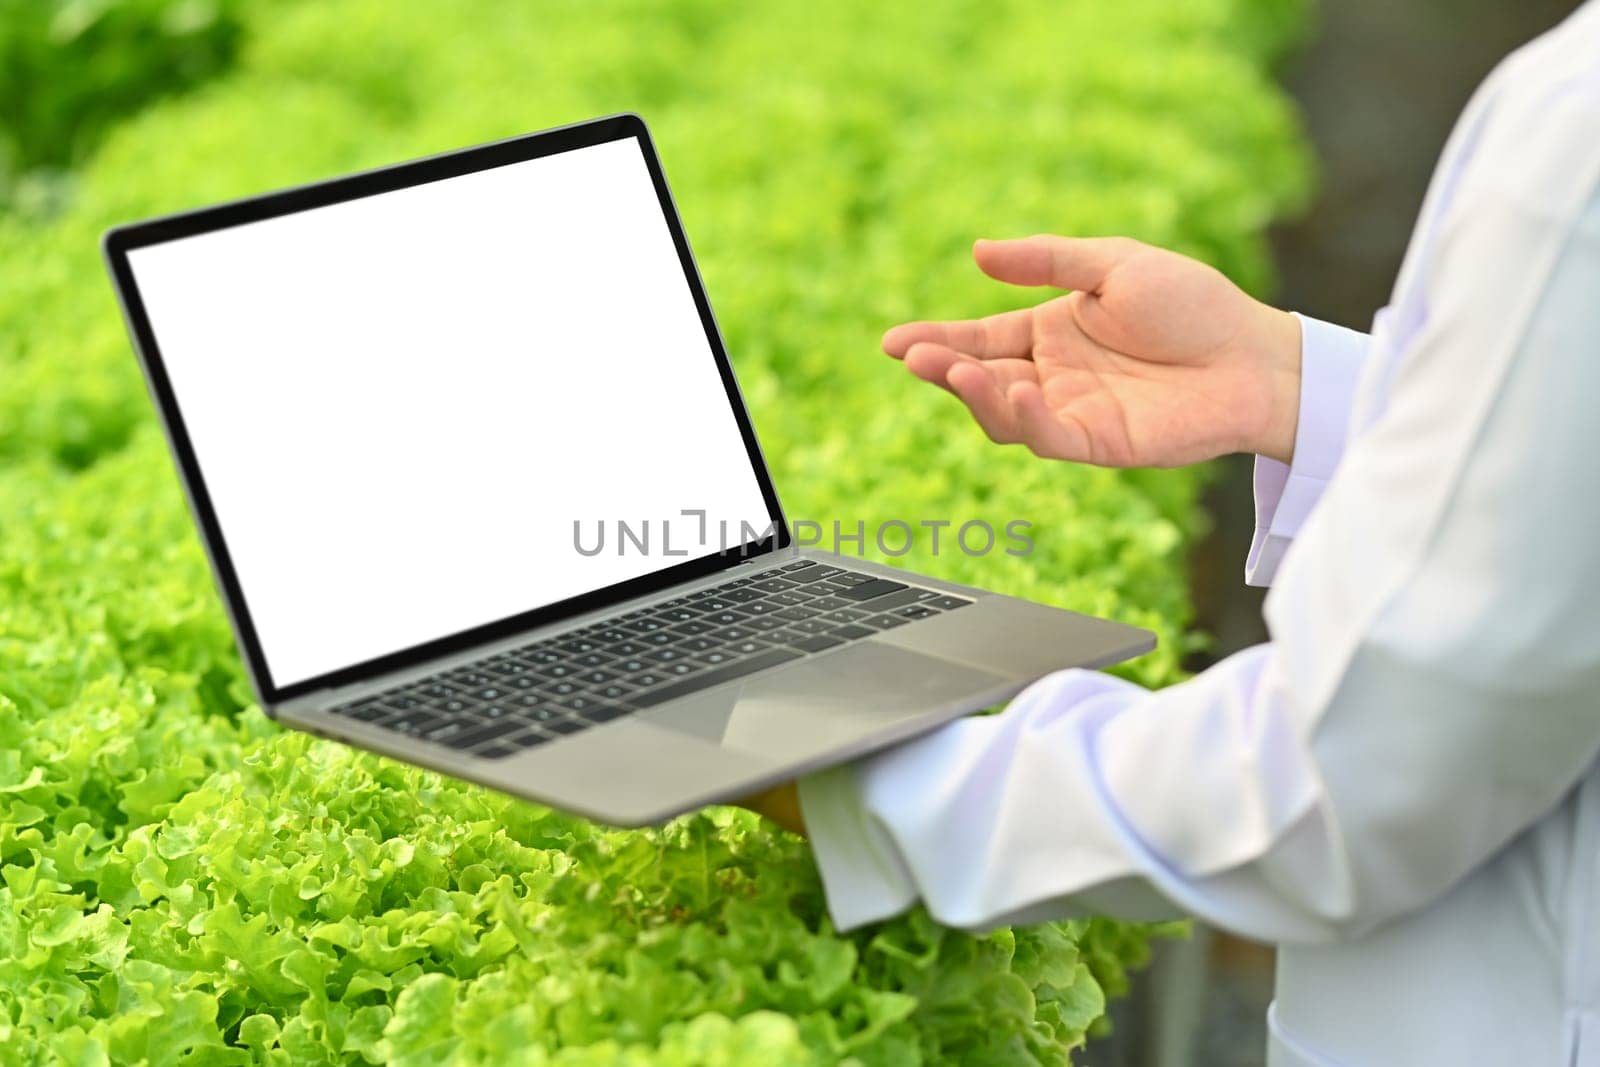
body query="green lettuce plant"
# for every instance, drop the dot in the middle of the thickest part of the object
(182, 881)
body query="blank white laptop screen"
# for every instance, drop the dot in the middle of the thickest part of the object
(402, 404)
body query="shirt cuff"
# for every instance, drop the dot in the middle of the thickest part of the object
(1330, 365)
(862, 872)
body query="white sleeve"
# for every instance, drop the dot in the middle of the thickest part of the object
(1330, 363)
(1433, 683)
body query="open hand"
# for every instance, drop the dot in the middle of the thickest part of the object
(1154, 360)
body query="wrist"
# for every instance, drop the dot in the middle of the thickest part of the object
(1281, 342)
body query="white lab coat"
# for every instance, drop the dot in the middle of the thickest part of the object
(1402, 788)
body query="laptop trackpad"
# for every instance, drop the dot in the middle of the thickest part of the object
(829, 703)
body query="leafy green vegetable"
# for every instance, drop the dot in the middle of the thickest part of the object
(69, 69)
(181, 881)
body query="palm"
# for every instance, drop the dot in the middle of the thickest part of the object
(1157, 363)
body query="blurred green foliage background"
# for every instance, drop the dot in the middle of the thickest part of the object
(179, 878)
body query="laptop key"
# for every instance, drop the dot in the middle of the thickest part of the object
(699, 644)
(626, 648)
(847, 615)
(760, 607)
(446, 730)
(764, 623)
(772, 657)
(603, 713)
(947, 603)
(414, 722)
(697, 626)
(871, 588)
(812, 574)
(509, 668)
(646, 678)
(793, 614)
(678, 615)
(496, 751)
(772, 585)
(528, 738)
(829, 572)
(799, 564)
(593, 659)
(667, 655)
(828, 603)
(613, 691)
(742, 596)
(817, 644)
(884, 622)
(681, 668)
(729, 634)
(812, 626)
(487, 732)
(916, 611)
(746, 648)
(565, 726)
(596, 677)
(850, 631)
(883, 604)
(369, 711)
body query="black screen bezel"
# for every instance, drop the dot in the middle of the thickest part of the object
(121, 240)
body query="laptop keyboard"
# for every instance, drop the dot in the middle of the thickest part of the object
(509, 702)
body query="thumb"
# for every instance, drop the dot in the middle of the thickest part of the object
(1064, 262)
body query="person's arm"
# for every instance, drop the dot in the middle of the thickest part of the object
(1431, 689)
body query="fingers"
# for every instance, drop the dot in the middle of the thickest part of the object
(977, 388)
(1005, 398)
(932, 362)
(1049, 434)
(1065, 262)
(1007, 335)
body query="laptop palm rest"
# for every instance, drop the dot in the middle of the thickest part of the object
(851, 698)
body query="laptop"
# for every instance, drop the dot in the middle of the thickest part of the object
(480, 492)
